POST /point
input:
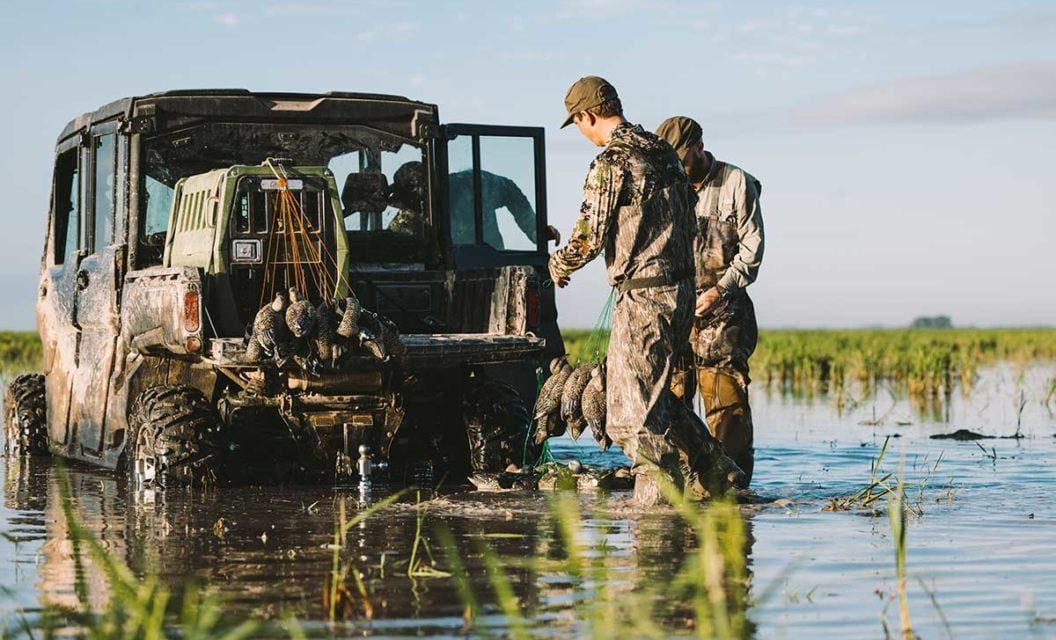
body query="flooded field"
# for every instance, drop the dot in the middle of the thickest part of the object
(980, 538)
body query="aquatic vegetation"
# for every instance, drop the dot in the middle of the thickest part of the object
(928, 364)
(712, 582)
(20, 352)
(338, 599)
(883, 484)
(896, 513)
(136, 608)
(417, 566)
(877, 487)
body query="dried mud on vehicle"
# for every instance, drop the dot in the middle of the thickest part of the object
(259, 285)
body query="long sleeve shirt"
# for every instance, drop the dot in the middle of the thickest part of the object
(732, 195)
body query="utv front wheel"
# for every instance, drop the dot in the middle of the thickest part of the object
(497, 422)
(175, 434)
(25, 419)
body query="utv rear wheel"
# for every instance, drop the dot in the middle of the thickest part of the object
(175, 438)
(25, 419)
(497, 422)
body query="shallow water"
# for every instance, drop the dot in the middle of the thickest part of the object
(984, 546)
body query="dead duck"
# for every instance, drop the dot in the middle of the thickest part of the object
(350, 310)
(300, 315)
(325, 339)
(509, 480)
(390, 337)
(594, 408)
(548, 405)
(572, 396)
(577, 477)
(371, 336)
(269, 332)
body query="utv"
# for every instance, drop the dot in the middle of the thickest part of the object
(178, 216)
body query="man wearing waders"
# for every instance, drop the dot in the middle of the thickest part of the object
(729, 249)
(635, 208)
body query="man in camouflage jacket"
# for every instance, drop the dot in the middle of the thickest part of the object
(729, 249)
(635, 209)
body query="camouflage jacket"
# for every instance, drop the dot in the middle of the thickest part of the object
(635, 209)
(729, 242)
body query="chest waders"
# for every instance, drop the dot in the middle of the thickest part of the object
(725, 338)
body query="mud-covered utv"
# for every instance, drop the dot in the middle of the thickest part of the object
(183, 222)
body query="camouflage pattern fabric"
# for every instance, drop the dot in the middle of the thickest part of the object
(407, 222)
(647, 326)
(645, 418)
(730, 242)
(635, 208)
(726, 337)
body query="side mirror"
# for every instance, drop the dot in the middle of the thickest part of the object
(366, 192)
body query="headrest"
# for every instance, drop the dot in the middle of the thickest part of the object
(366, 192)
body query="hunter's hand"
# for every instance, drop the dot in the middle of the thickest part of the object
(560, 280)
(707, 301)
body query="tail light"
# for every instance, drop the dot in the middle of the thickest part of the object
(533, 306)
(191, 311)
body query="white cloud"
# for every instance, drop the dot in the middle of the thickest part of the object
(227, 19)
(846, 30)
(775, 59)
(1025, 90)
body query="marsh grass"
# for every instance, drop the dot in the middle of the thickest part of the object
(896, 514)
(885, 484)
(135, 609)
(20, 352)
(927, 364)
(340, 599)
(712, 581)
(417, 566)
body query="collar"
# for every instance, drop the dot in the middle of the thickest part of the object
(623, 131)
(714, 171)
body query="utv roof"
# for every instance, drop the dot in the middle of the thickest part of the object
(167, 110)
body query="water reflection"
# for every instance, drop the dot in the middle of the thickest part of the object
(984, 546)
(270, 551)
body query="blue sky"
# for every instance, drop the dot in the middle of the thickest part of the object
(905, 148)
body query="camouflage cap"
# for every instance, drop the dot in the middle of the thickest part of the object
(681, 133)
(587, 93)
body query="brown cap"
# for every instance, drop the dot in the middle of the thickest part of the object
(587, 93)
(680, 132)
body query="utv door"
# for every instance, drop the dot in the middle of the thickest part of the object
(59, 336)
(493, 185)
(493, 190)
(95, 310)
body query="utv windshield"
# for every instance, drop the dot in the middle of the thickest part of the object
(381, 177)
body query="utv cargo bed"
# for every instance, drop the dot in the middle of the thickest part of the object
(422, 350)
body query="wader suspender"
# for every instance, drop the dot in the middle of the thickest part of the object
(712, 203)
